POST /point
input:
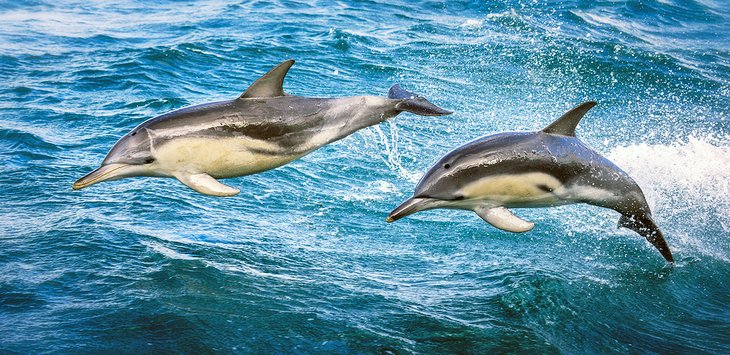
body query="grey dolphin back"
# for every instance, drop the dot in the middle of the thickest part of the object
(414, 103)
(565, 125)
(645, 226)
(270, 84)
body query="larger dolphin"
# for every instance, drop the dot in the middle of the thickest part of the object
(262, 129)
(532, 169)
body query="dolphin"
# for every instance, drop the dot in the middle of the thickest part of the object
(262, 129)
(547, 168)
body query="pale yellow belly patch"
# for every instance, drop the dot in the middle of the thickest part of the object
(219, 157)
(513, 188)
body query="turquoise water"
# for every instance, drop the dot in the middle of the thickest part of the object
(302, 260)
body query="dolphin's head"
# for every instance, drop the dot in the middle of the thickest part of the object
(443, 185)
(130, 156)
(439, 188)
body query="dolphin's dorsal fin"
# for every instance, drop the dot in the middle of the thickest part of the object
(271, 84)
(565, 125)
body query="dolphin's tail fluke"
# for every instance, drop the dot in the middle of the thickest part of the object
(645, 226)
(413, 103)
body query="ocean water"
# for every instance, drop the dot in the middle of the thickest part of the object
(302, 260)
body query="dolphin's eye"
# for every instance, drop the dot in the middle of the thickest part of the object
(447, 165)
(134, 133)
(149, 160)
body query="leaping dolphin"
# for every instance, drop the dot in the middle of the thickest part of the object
(532, 169)
(262, 129)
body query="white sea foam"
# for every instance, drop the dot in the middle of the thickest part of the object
(477, 23)
(251, 270)
(510, 13)
(167, 252)
(687, 183)
(698, 169)
(471, 23)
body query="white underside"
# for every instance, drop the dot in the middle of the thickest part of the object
(528, 190)
(218, 157)
(223, 157)
(489, 196)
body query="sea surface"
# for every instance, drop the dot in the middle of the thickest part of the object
(302, 260)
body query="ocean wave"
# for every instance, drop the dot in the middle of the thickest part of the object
(302, 260)
(167, 252)
(23, 136)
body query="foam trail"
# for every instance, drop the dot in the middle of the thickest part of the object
(167, 252)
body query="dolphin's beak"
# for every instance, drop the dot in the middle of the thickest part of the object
(410, 206)
(103, 173)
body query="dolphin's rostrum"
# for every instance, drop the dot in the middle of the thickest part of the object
(262, 129)
(532, 169)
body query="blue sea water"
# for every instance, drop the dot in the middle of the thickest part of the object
(302, 260)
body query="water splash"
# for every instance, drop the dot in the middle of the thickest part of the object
(688, 185)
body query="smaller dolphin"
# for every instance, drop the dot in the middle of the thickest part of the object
(262, 129)
(532, 169)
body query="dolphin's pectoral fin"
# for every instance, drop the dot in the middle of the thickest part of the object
(503, 219)
(646, 227)
(271, 84)
(206, 184)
